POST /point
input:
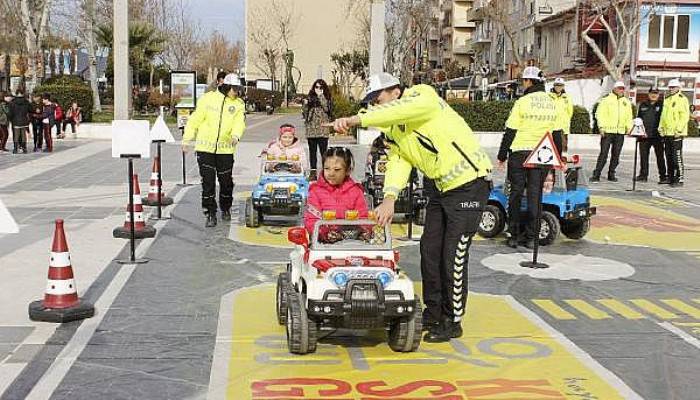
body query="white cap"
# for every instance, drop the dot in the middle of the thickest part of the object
(378, 82)
(232, 79)
(559, 81)
(533, 73)
(674, 83)
(619, 84)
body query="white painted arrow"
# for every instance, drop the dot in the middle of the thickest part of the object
(7, 223)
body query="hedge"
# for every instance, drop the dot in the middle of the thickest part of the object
(259, 98)
(491, 116)
(65, 90)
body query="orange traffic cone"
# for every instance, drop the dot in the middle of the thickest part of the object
(61, 302)
(152, 198)
(141, 230)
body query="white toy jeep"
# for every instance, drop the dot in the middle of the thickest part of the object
(347, 277)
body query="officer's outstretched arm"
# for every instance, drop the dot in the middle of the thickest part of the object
(415, 106)
(398, 171)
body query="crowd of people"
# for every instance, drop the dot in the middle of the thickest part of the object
(33, 121)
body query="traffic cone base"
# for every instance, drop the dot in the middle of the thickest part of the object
(122, 232)
(152, 198)
(61, 302)
(141, 230)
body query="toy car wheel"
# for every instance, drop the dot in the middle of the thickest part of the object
(301, 331)
(420, 216)
(405, 334)
(576, 229)
(492, 223)
(549, 228)
(281, 297)
(252, 217)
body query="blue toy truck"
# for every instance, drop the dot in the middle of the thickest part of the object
(281, 191)
(566, 208)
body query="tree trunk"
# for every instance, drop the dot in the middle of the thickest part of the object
(92, 53)
(33, 35)
(150, 76)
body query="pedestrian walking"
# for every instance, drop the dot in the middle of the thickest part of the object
(58, 118)
(533, 116)
(424, 132)
(20, 108)
(673, 127)
(614, 115)
(48, 120)
(649, 112)
(215, 128)
(565, 111)
(317, 112)
(74, 116)
(37, 126)
(5, 100)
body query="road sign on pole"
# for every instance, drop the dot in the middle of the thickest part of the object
(545, 154)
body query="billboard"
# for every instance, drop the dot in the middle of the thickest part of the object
(183, 88)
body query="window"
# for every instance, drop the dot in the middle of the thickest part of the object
(567, 45)
(669, 32)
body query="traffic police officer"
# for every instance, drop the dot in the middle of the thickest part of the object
(532, 117)
(673, 128)
(650, 113)
(215, 128)
(565, 110)
(614, 115)
(426, 133)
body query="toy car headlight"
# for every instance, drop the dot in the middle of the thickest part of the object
(269, 188)
(295, 157)
(385, 278)
(270, 157)
(351, 214)
(283, 157)
(292, 188)
(340, 279)
(328, 214)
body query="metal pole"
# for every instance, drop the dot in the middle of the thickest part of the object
(160, 181)
(132, 228)
(538, 225)
(634, 169)
(121, 60)
(184, 172)
(377, 29)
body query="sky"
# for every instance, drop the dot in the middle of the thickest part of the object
(226, 16)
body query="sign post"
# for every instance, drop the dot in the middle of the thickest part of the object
(545, 157)
(637, 132)
(183, 93)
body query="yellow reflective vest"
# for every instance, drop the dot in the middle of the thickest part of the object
(217, 119)
(424, 132)
(614, 114)
(675, 116)
(532, 116)
(565, 110)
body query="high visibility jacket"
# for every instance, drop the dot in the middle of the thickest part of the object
(614, 114)
(532, 116)
(217, 119)
(424, 132)
(565, 110)
(675, 116)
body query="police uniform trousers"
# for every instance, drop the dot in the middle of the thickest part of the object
(451, 220)
(520, 179)
(609, 143)
(673, 145)
(211, 167)
(645, 145)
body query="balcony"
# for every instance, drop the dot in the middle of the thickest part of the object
(475, 14)
(481, 37)
(464, 23)
(463, 49)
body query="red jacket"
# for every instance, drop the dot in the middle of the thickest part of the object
(324, 196)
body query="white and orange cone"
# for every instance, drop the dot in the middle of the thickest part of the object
(141, 230)
(61, 302)
(152, 198)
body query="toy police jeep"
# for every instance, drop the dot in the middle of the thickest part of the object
(347, 277)
(374, 187)
(281, 190)
(566, 207)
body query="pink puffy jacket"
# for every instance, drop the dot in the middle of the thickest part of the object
(276, 149)
(324, 196)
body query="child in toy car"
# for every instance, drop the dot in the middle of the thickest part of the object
(287, 146)
(335, 191)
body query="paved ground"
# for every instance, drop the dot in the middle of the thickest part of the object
(617, 317)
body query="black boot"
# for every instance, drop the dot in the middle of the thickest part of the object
(226, 215)
(512, 242)
(612, 178)
(443, 332)
(664, 180)
(641, 178)
(211, 220)
(595, 178)
(428, 322)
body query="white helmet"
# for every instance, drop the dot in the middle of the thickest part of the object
(559, 81)
(232, 79)
(674, 83)
(533, 73)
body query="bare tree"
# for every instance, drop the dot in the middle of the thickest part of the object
(501, 13)
(217, 54)
(408, 21)
(184, 35)
(621, 21)
(87, 35)
(272, 29)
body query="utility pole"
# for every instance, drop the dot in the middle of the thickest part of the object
(121, 59)
(376, 46)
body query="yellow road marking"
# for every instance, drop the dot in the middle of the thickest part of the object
(683, 307)
(503, 354)
(588, 310)
(621, 308)
(652, 308)
(553, 309)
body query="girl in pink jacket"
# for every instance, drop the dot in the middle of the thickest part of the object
(335, 189)
(287, 144)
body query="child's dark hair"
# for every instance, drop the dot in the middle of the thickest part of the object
(342, 152)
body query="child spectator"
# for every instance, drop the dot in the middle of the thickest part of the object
(73, 117)
(37, 125)
(4, 120)
(59, 116)
(48, 120)
(334, 190)
(20, 108)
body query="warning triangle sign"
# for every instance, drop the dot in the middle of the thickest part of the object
(638, 129)
(545, 154)
(161, 132)
(7, 223)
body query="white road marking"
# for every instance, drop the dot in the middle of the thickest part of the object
(681, 333)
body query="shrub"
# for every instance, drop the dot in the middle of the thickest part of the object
(581, 120)
(64, 90)
(693, 128)
(259, 98)
(484, 116)
(342, 106)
